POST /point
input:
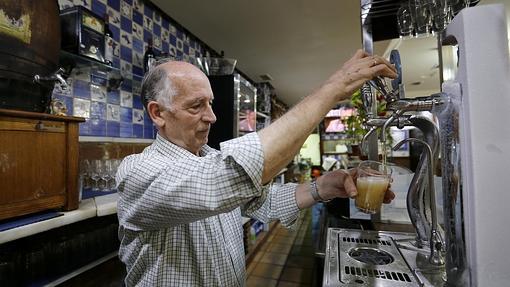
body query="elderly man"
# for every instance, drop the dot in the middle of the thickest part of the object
(181, 201)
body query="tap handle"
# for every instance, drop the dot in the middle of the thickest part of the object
(367, 99)
(395, 60)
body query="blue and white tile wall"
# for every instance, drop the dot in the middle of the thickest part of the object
(119, 112)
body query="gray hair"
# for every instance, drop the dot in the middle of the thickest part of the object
(157, 86)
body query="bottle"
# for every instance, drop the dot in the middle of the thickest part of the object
(108, 42)
(149, 57)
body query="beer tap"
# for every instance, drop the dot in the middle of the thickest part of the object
(57, 76)
(436, 242)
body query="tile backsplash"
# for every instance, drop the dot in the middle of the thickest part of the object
(112, 111)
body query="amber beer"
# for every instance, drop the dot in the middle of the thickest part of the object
(371, 191)
(372, 183)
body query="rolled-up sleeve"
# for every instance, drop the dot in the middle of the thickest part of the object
(277, 203)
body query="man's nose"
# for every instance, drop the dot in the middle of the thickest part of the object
(209, 115)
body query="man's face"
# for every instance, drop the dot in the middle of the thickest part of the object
(189, 120)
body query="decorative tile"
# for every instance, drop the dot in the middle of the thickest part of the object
(113, 97)
(64, 4)
(113, 16)
(126, 130)
(115, 4)
(138, 5)
(113, 112)
(125, 39)
(137, 116)
(173, 40)
(147, 121)
(116, 52)
(164, 23)
(148, 132)
(126, 24)
(146, 35)
(116, 59)
(98, 110)
(84, 128)
(148, 11)
(126, 10)
(97, 93)
(147, 23)
(137, 71)
(116, 32)
(179, 44)
(81, 108)
(137, 59)
(97, 127)
(126, 53)
(138, 45)
(126, 115)
(112, 129)
(157, 18)
(137, 18)
(126, 69)
(156, 29)
(98, 8)
(157, 42)
(126, 99)
(137, 32)
(137, 131)
(137, 85)
(165, 35)
(179, 34)
(127, 85)
(81, 89)
(85, 3)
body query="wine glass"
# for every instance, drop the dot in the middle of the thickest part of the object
(106, 174)
(405, 21)
(95, 173)
(84, 174)
(113, 171)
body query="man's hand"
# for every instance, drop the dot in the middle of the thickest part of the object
(342, 183)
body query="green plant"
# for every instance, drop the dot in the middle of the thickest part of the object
(355, 127)
(355, 124)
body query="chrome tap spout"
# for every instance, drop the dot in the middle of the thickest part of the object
(435, 241)
(57, 76)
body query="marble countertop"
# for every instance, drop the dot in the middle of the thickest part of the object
(91, 207)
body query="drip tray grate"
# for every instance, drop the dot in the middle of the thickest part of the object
(365, 258)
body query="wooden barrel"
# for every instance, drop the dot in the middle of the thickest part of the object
(30, 45)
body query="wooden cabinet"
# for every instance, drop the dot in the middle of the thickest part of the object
(38, 162)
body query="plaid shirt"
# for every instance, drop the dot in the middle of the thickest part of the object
(180, 214)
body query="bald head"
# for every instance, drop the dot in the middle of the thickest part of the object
(163, 82)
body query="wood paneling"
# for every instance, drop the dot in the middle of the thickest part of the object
(38, 162)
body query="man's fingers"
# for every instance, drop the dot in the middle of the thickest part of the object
(389, 196)
(350, 187)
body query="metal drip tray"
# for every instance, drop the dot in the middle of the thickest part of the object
(371, 258)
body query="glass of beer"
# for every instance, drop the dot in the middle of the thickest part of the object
(372, 183)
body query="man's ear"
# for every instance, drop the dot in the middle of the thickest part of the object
(154, 111)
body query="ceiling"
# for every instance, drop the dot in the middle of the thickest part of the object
(299, 43)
